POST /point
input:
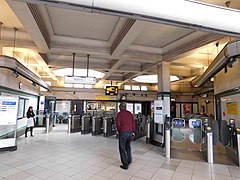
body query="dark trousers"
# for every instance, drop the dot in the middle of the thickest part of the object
(31, 130)
(125, 148)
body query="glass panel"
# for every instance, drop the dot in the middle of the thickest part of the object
(195, 108)
(127, 87)
(136, 88)
(144, 88)
(231, 108)
(178, 110)
(130, 107)
(21, 108)
(137, 108)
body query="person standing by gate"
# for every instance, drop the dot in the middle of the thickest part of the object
(126, 129)
(30, 121)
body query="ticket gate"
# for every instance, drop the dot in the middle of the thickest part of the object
(230, 138)
(75, 123)
(97, 125)
(177, 124)
(196, 130)
(109, 126)
(140, 124)
(191, 141)
(86, 124)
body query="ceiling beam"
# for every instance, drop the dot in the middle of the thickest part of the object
(123, 40)
(185, 49)
(126, 36)
(145, 69)
(30, 17)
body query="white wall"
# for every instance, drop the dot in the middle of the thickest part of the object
(226, 81)
(8, 81)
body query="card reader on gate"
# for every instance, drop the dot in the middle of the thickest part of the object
(196, 123)
(178, 123)
(232, 122)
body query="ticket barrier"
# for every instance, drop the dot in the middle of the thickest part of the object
(49, 123)
(140, 124)
(109, 126)
(208, 134)
(75, 123)
(199, 135)
(195, 126)
(86, 124)
(148, 126)
(97, 125)
(230, 138)
(177, 125)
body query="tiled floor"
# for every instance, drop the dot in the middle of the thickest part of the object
(59, 155)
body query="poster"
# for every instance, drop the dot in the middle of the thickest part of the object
(186, 109)
(138, 108)
(8, 110)
(130, 107)
(232, 108)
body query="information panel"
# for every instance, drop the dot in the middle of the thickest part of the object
(158, 111)
(8, 110)
(8, 121)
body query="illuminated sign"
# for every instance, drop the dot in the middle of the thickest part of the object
(111, 90)
(79, 80)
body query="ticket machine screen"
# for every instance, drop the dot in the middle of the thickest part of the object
(196, 123)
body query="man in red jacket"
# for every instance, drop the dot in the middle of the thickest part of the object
(126, 129)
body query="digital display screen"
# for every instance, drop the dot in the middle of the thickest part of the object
(111, 90)
(158, 108)
(196, 123)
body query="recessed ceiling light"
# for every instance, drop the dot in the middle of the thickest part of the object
(152, 78)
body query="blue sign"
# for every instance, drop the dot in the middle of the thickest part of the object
(8, 103)
(178, 123)
(196, 123)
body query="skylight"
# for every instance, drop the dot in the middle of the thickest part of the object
(152, 78)
(78, 72)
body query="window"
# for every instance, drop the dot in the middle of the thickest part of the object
(144, 88)
(127, 87)
(136, 88)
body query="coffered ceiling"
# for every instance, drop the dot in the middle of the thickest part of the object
(119, 47)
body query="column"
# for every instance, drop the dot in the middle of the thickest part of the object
(164, 95)
(163, 70)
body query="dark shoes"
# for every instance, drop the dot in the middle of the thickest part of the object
(31, 135)
(124, 167)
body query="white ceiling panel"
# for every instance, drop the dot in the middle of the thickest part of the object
(159, 35)
(72, 23)
(7, 17)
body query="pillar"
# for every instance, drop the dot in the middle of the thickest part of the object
(164, 91)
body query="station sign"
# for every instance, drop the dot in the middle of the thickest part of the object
(79, 80)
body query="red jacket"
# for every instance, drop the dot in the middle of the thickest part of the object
(125, 121)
